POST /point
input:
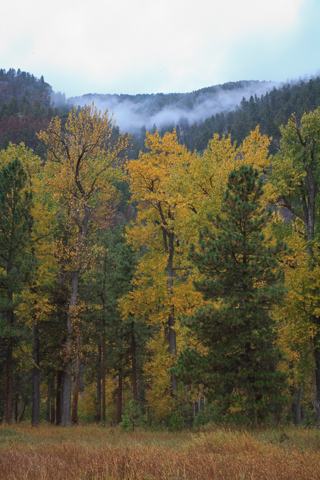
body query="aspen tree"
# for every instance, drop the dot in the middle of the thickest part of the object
(80, 171)
(158, 212)
(294, 184)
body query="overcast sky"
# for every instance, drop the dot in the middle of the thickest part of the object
(148, 46)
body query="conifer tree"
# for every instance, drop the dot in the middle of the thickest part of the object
(121, 341)
(15, 205)
(241, 284)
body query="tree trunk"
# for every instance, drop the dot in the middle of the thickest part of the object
(50, 413)
(59, 391)
(35, 418)
(103, 373)
(9, 315)
(98, 407)
(67, 380)
(48, 407)
(52, 406)
(9, 383)
(173, 350)
(16, 404)
(317, 378)
(119, 399)
(296, 407)
(66, 395)
(134, 365)
(171, 321)
(23, 409)
(76, 386)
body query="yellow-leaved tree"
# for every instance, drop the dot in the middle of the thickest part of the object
(162, 287)
(294, 184)
(81, 168)
(295, 328)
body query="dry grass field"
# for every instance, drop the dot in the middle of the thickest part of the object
(100, 453)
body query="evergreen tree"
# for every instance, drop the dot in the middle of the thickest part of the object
(121, 342)
(241, 284)
(15, 205)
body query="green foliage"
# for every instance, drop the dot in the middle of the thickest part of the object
(15, 224)
(180, 415)
(206, 416)
(132, 417)
(125, 339)
(241, 284)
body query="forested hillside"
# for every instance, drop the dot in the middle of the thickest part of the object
(25, 108)
(169, 279)
(27, 104)
(269, 111)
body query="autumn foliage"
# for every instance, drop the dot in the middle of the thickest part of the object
(105, 297)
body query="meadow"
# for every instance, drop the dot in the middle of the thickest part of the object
(101, 453)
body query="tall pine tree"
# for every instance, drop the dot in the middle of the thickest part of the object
(15, 205)
(241, 284)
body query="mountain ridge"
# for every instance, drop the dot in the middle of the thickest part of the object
(160, 109)
(235, 108)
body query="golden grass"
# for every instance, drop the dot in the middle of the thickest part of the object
(95, 452)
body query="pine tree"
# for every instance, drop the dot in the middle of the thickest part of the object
(121, 342)
(15, 205)
(241, 284)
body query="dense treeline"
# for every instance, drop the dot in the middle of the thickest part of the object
(150, 104)
(160, 289)
(270, 111)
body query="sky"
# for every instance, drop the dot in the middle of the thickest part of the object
(148, 46)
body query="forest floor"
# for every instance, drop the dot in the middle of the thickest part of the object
(100, 453)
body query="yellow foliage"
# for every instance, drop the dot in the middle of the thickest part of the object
(158, 378)
(88, 399)
(34, 304)
(295, 328)
(82, 166)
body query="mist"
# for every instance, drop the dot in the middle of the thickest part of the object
(132, 112)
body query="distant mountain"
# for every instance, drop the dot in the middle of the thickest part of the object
(27, 104)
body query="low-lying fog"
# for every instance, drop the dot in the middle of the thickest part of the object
(134, 111)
